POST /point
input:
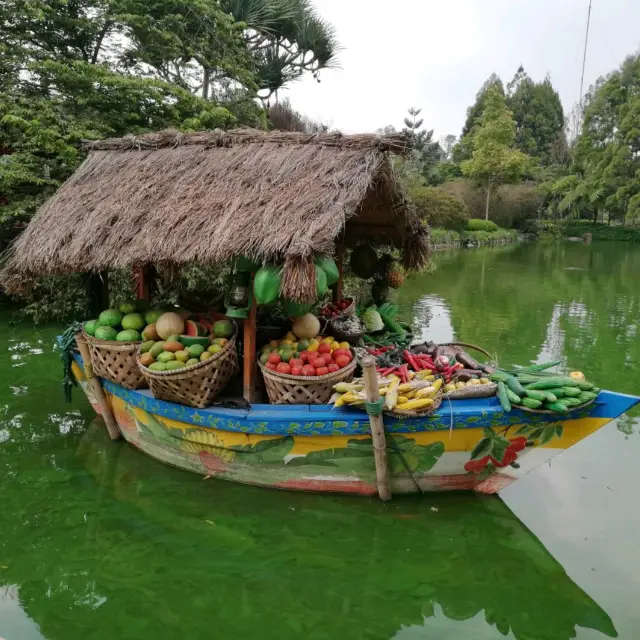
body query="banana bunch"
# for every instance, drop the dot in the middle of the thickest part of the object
(409, 396)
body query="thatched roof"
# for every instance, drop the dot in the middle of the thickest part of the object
(170, 198)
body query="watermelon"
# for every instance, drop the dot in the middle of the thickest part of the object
(295, 309)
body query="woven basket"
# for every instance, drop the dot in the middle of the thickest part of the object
(473, 391)
(197, 385)
(417, 414)
(341, 336)
(116, 361)
(287, 389)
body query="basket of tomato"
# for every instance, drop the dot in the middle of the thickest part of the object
(308, 376)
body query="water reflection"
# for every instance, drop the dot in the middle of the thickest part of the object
(177, 557)
(537, 302)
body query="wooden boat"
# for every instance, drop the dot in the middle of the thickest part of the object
(320, 448)
(126, 207)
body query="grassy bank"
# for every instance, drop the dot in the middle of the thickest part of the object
(448, 238)
(601, 231)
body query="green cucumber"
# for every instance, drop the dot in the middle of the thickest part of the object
(515, 386)
(571, 392)
(531, 403)
(572, 402)
(548, 383)
(504, 397)
(558, 406)
(513, 397)
(542, 396)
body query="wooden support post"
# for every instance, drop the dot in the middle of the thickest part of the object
(249, 351)
(338, 286)
(372, 395)
(143, 276)
(95, 385)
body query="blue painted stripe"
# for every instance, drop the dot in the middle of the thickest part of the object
(304, 420)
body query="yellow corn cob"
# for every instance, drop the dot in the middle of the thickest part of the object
(391, 397)
(424, 375)
(406, 386)
(412, 405)
(427, 392)
(409, 394)
(437, 384)
(402, 399)
(346, 387)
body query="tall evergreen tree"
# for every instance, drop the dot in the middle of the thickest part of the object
(494, 160)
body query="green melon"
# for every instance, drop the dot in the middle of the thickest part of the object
(133, 321)
(223, 329)
(127, 307)
(151, 316)
(110, 318)
(91, 326)
(128, 335)
(106, 333)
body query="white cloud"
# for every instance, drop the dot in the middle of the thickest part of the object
(435, 54)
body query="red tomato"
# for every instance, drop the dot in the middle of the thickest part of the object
(283, 367)
(296, 371)
(271, 366)
(322, 371)
(274, 358)
(308, 370)
(342, 361)
(323, 358)
(324, 348)
(295, 362)
(332, 368)
(304, 356)
(341, 352)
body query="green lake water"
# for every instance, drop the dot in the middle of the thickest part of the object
(98, 541)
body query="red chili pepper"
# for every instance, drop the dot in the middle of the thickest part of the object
(410, 359)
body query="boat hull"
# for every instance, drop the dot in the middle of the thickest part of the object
(317, 448)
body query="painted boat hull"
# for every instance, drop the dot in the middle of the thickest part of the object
(318, 448)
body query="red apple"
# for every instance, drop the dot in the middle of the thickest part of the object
(274, 358)
(308, 370)
(332, 368)
(283, 367)
(322, 371)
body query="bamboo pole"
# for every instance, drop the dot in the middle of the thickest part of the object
(249, 351)
(95, 385)
(372, 396)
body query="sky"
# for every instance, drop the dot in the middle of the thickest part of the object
(435, 55)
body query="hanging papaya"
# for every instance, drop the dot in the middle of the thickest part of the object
(266, 284)
(321, 282)
(329, 267)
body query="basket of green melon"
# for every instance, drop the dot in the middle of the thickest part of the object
(184, 363)
(114, 339)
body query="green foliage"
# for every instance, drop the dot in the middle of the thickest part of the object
(494, 159)
(539, 117)
(601, 231)
(605, 175)
(489, 238)
(481, 225)
(439, 208)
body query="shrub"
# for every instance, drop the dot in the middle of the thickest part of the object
(481, 225)
(439, 209)
(511, 204)
(445, 237)
(601, 231)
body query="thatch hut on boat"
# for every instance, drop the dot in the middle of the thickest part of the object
(174, 198)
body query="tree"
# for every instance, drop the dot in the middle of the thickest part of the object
(447, 143)
(606, 165)
(286, 38)
(494, 160)
(539, 117)
(475, 111)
